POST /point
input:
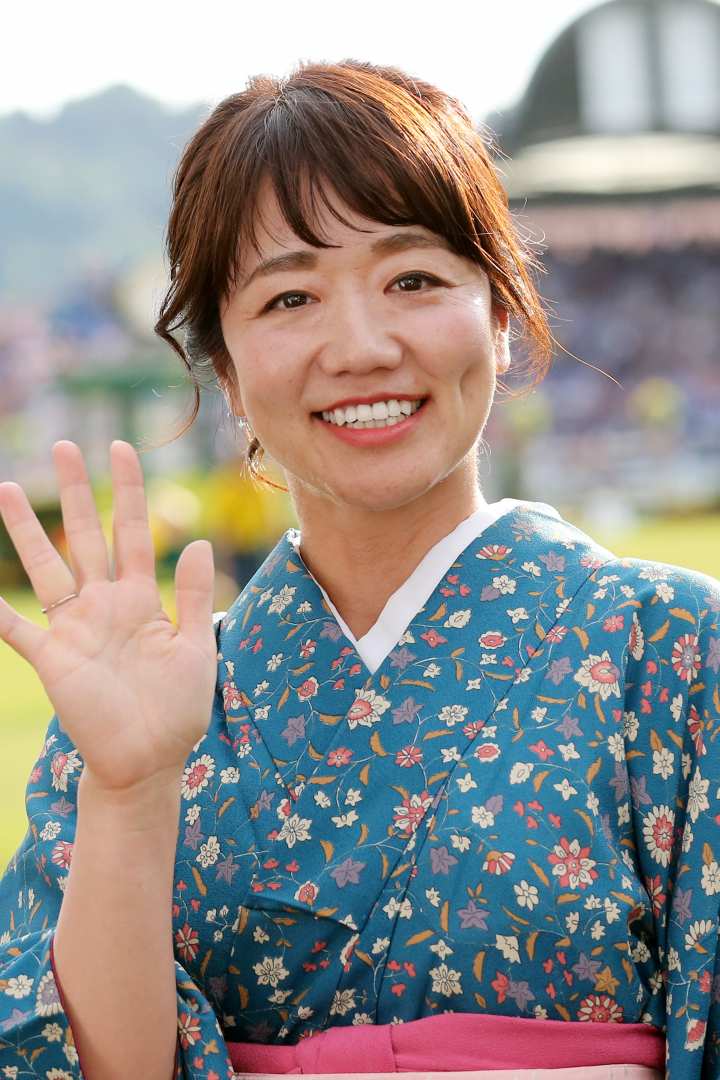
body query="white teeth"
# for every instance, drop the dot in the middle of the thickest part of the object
(379, 414)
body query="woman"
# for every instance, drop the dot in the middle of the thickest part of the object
(453, 806)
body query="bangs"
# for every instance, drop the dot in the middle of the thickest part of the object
(308, 146)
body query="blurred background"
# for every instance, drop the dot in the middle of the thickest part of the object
(606, 119)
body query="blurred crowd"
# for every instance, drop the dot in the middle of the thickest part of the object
(630, 422)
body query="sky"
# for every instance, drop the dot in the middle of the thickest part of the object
(181, 53)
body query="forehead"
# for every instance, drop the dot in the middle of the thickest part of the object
(273, 232)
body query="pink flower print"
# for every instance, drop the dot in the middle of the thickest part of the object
(307, 648)
(337, 758)
(187, 942)
(408, 756)
(556, 634)
(62, 854)
(696, 727)
(307, 689)
(487, 751)
(600, 1009)
(685, 657)
(613, 623)
(571, 864)
(542, 750)
(307, 893)
(433, 638)
(498, 862)
(492, 639)
(232, 698)
(408, 816)
(493, 551)
(189, 1029)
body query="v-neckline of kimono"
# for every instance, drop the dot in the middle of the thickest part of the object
(486, 536)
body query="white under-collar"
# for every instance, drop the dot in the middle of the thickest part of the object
(400, 608)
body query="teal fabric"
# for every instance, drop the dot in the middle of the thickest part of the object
(516, 814)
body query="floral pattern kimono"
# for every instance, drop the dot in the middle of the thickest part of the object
(515, 814)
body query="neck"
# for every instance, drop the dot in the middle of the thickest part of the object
(361, 557)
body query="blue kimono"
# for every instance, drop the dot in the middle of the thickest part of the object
(516, 814)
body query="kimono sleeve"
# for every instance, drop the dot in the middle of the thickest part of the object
(36, 1038)
(672, 724)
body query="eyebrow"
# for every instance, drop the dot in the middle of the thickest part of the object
(307, 260)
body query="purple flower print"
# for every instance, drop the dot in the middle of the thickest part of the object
(521, 993)
(586, 968)
(638, 788)
(620, 781)
(681, 909)
(558, 669)
(569, 728)
(441, 860)
(406, 711)
(553, 561)
(713, 657)
(193, 835)
(400, 658)
(331, 630)
(348, 872)
(295, 730)
(472, 916)
(226, 869)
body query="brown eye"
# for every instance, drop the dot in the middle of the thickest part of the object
(416, 277)
(285, 296)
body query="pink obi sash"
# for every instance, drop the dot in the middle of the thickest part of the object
(463, 1042)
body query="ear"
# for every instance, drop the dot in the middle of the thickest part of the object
(501, 326)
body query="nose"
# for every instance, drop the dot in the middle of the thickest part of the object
(359, 341)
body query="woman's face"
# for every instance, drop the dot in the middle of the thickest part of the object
(391, 317)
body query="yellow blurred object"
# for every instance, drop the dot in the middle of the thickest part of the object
(241, 513)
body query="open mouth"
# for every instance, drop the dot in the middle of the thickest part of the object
(381, 414)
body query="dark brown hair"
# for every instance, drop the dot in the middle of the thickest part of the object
(395, 149)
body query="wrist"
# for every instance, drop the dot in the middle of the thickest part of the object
(153, 803)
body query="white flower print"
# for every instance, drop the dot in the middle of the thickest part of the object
(50, 830)
(658, 829)
(521, 771)
(270, 971)
(538, 714)
(631, 725)
(441, 949)
(676, 707)
(616, 746)
(401, 909)
(481, 817)
(612, 911)
(507, 944)
(572, 921)
(380, 945)
(445, 981)
(262, 713)
(465, 783)
(261, 688)
(281, 599)
(353, 797)
(275, 661)
(485, 659)
(599, 675)
(504, 584)
(231, 775)
(518, 613)
(321, 800)
(362, 1018)
(458, 619)
(259, 935)
(63, 766)
(342, 821)
(197, 775)
(474, 684)
(431, 671)
(295, 829)
(19, 986)
(698, 930)
(460, 843)
(52, 1032)
(209, 852)
(452, 714)
(663, 762)
(522, 676)
(433, 896)
(565, 788)
(697, 795)
(665, 592)
(527, 895)
(532, 568)
(342, 1002)
(568, 751)
(449, 753)
(279, 997)
(47, 998)
(711, 878)
(366, 709)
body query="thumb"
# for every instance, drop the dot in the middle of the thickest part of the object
(194, 591)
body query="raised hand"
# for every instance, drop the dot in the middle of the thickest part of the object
(133, 691)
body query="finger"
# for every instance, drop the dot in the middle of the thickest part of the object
(194, 591)
(49, 575)
(86, 542)
(133, 549)
(21, 634)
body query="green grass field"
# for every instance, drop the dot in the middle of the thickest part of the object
(25, 709)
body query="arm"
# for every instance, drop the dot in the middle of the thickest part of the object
(116, 918)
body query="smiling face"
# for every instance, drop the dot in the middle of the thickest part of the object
(390, 315)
